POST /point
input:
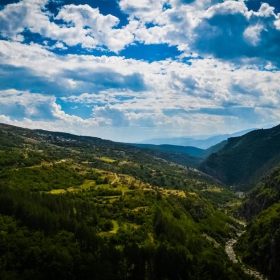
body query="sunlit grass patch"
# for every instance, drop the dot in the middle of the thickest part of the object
(110, 160)
(58, 191)
(71, 189)
(192, 193)
(87, 184)
(116, 227)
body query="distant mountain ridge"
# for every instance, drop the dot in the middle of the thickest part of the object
(194, 142)
(192, 151)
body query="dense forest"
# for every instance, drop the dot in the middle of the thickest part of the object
(83, 208)
(76, 207)
(260, 245)
(245, 159)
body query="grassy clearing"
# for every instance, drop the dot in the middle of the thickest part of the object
(87, 184)
(59, 191)
(110, 199)
(31, 141)
(192, 193)
(47, 164)
(110, 160)
(105, 186)
(71, 189)
(173, 192)
(123, 188)
(116, 227)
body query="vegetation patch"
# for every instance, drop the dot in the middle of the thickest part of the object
(59, 191)
(87, 218)
(115, 227)
(106, 159)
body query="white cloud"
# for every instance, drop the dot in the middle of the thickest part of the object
(145, 10)
(252, 34)
(227, 8)
(58, 45)
(170, 84)
(156, 25)
(99, 28)
(207, 95)
(25, 104)
(33, 109)
(85, 25)
(277, 24)
(266, 10)
(118, 121)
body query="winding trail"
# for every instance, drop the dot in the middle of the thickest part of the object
(115, 180)
(231, 254)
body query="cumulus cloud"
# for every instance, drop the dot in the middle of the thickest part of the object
(26, 105)
(211, 87)
(14, 18)
(102, 78)
(110, 116)
(91, 28)
(162, 83)
(146, 10)
(223, 29)
(28, 80)
(44, 72)
(23, 107)
(252, 34)
(80, 25)
(230, 31)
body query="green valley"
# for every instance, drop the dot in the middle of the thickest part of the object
(75, 207)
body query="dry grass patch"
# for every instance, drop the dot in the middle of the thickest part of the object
(58, 191)
(110, 160)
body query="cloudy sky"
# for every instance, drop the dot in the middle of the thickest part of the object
(129, 70)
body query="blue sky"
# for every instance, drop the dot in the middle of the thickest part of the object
(130, 70)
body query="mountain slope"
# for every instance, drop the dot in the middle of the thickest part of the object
(244, 158)
(262, 196)
(213, 149)
(113, 147)
(75, 207)
(192, 151)
(260, 245)
(187, 156)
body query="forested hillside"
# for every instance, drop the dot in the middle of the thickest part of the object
(260, 245)
(192, 151)
(245, 159)
(187, 156)
(83, 208)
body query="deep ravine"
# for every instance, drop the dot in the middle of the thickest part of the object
(231, 254)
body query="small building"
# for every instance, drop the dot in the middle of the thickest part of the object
(240, 194)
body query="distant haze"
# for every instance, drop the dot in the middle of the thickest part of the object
(195, 141)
